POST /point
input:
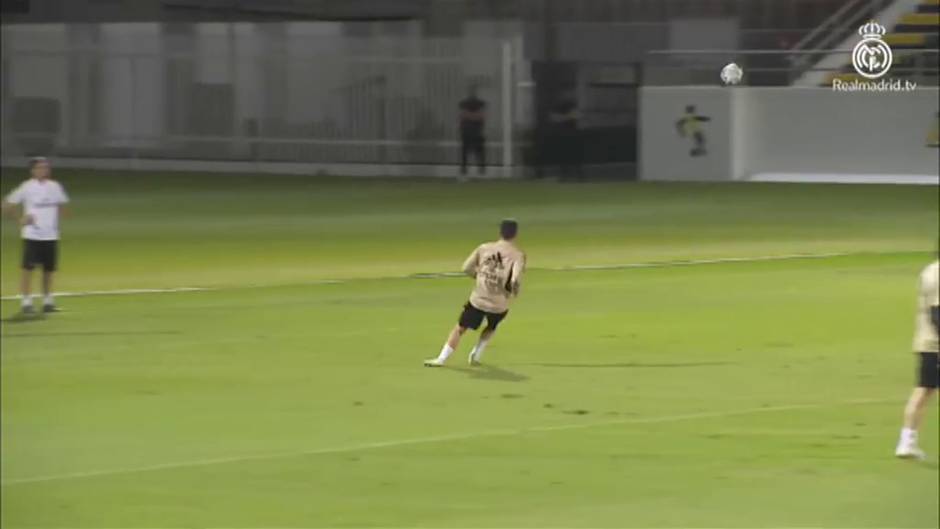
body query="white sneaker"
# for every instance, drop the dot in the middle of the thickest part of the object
(909, 451)
(472, 359)
(434, 362)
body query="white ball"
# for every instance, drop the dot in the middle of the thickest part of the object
(732, 73)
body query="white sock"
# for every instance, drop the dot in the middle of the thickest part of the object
(908, 435)
(48, 300)
(27, 301)
(445, 352)
(478, 349)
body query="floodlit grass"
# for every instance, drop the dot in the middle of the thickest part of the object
(737, 394)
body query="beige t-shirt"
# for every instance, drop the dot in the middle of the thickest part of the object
(497, 267)
(925, 334)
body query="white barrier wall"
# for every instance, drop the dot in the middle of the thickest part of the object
(801, 133)
(665, 154)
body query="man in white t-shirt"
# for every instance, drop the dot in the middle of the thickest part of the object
(37, 203)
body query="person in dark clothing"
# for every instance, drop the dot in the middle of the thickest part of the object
(472, 140)
(566, 146)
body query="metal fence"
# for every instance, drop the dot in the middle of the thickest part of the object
(232, 97)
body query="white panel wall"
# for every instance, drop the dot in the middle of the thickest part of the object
(821, 131)
(313, 69)
(131, 83)
(742, 102)
(664, 154)
(248, 74)
(149, 85)
(809, 131)
(214, 48)
(37, 71)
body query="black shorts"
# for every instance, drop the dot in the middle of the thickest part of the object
(40, 253)
(472, 317)
(928, 373)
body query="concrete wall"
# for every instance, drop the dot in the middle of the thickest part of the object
(664, 154)
(821, 134)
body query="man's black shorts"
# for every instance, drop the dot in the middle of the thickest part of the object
(929, 372)
(472, 317)
(40, 253)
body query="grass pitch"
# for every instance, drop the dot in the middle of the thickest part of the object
(732, 394)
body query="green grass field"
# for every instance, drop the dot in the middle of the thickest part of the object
(733, 394)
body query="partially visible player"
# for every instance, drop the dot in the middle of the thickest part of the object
(926, 346)
(497, 268)
(40, 198)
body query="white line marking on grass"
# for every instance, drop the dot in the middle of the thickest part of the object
(434, 439)
(438, 275)
(171, 290)
(435, 275)
(695, 262)
(487, 527)
(127, 291)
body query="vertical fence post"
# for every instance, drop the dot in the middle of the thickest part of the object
(237, 140)
(6, 69)
(135, 147)
(507, 107)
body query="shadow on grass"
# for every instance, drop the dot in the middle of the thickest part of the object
(490, 372)
(21, 317)
(633, 365)
(91, 333)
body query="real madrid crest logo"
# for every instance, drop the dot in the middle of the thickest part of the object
(872, 55)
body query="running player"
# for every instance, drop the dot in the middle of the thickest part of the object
(497, 268)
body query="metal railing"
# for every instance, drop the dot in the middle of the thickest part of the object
(834, 30)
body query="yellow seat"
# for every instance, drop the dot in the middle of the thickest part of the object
(906, 39)
(921, 19)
